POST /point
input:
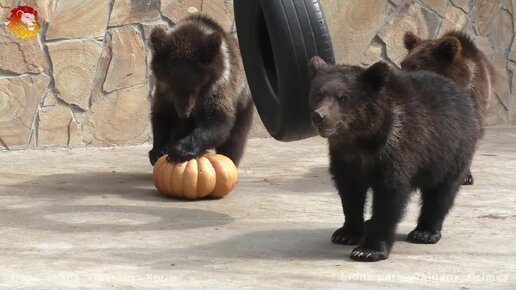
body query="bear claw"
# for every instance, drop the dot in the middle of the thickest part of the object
(469, 180)
(341, 237)
(367, 255)
(154, 155)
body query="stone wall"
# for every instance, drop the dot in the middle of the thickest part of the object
(366, 30)
(85, 80)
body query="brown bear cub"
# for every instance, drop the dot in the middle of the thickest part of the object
(201, 100)
(454, 55)
(393, 132)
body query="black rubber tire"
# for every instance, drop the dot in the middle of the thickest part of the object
(277, 39)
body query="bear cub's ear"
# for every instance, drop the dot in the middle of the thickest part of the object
(376, 75)
(410, 40)
(449, 47)
(158, 37)
(316, 66)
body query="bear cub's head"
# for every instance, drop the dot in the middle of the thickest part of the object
(346, 100)
(186, 61)
(444, 56)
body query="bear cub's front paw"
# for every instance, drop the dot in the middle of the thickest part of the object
(424, 236)
(154, 155)
(182, 152)
(362, 254)
(344, 236)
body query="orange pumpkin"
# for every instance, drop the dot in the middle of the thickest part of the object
(211, 175)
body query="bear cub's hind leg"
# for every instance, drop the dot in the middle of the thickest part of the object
(436, 203)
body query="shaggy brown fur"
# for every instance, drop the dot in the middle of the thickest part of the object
(201, 99)
(454, 55)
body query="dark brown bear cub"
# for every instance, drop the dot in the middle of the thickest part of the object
(393, 132)
(201, 100)
(454, 55)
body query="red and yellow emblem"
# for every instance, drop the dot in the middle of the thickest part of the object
(23, 22)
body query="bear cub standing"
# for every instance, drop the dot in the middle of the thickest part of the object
(201, 100)
(454, 55)
(393, 132)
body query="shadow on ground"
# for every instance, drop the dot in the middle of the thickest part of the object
(317, 179)
(82, 203)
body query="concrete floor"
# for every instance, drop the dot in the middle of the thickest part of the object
(91, 218)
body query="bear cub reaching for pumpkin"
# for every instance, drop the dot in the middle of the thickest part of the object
(392, 131)
(454, 55)
(201, 100)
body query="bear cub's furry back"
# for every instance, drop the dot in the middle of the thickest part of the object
(393, 132)
(201, 100)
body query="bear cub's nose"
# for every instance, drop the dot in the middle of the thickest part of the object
(317, 117)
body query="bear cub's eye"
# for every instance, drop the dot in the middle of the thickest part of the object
(343, 99)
